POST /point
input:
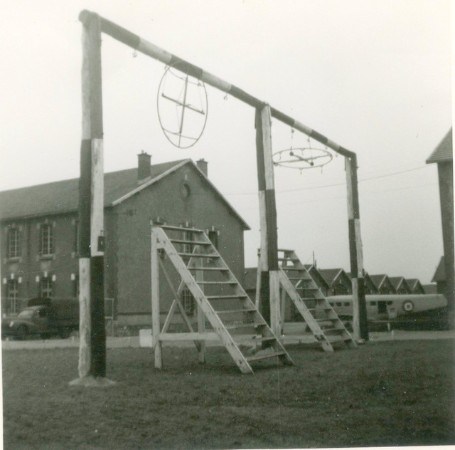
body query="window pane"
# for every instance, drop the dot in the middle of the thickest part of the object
(46, 239)
(13, 243)
(12, 294)
(46, 290)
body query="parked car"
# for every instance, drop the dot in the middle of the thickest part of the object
(44, 317)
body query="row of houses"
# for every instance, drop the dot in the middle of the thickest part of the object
(338, 282)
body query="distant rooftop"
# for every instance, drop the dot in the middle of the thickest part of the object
(444, 151)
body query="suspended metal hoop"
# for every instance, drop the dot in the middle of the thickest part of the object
(182, 108)
(302, 158)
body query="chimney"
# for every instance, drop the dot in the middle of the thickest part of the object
(202, 166)
(143, 166)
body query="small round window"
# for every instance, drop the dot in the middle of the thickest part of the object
(185, 190)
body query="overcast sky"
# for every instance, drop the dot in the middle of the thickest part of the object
(372, 75)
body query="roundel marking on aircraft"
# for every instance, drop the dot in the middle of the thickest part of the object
(408, 306)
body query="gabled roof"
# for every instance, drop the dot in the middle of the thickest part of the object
(440, 274)
(368, 278)
(397, 282)
(63, 196)
(379, 280)
(413, 283)
(444, 151)
(316, 274)
(330, 275)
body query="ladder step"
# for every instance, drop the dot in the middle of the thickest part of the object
(329, 330)
(327, 319)
(221, 269)
(223, 297)
(320, 309)
(239, 326)
(200, 255)
(236, 311)
(264, 356)
(173, 227)
(217, 282)
(181, 241)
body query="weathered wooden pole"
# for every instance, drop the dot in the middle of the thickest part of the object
(360, 323)
(155, 290)
(269, 276)
(92, 349)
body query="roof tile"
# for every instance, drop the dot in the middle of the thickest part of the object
(62, 196)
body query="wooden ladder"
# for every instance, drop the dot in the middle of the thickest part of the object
(221, 300)
(313, 306)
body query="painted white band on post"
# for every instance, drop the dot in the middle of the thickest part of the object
(84, 318)
(97, 203)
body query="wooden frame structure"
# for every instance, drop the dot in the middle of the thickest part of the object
(231, 316)
(92, 354)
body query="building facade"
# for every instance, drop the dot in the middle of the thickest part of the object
(39, 234)
(443, 157)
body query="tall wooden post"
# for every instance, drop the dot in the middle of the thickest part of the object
(269, 276)
(155, 290)
(360, 324)
(92, 349)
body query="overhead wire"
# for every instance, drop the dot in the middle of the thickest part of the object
(311, 188)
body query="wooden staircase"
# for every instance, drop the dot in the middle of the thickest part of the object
(310, 302)
(221, 300)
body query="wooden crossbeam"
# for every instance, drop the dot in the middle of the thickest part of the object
(147, 48)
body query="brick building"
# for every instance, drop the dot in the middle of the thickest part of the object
(39, 233)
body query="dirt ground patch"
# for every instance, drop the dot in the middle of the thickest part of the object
(387, 393)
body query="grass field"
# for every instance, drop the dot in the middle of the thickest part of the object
(390, 393)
